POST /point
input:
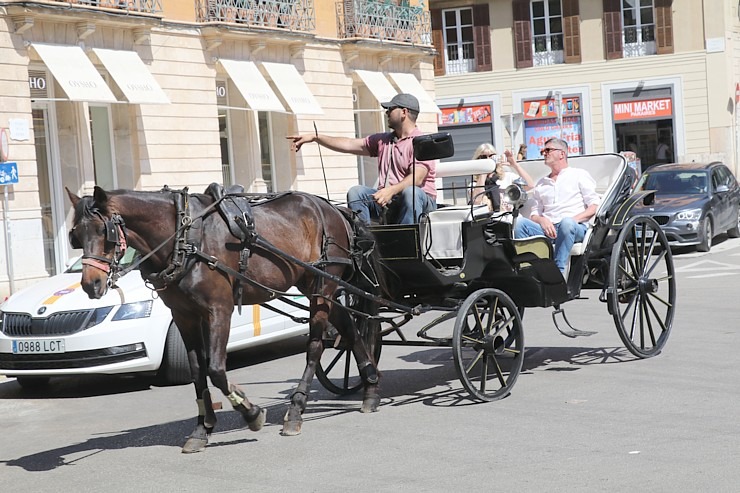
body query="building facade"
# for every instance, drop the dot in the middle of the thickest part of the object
(148, 93)
(606, 75)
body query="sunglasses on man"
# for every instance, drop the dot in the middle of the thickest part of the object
(548, 150)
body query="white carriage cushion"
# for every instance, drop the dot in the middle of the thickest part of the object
(441, 231)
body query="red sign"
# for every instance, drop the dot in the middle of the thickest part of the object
(737, 92)
(546, 108)
(462, 115)
(640, 110)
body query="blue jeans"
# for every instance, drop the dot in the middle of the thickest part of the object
(568, 233)
(360, 199)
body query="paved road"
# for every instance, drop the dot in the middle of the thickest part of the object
(584, 416)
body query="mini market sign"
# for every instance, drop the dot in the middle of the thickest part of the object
(643, 110)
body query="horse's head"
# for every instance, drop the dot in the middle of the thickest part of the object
(99, 231)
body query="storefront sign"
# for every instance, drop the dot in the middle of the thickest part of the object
(465, 115)
(536, 133)
(545, 108)
(640, 110)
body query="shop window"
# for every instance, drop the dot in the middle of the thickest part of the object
(462, 38)
(637, 28)
(265, 135)
(546, 32)
(102, 147)
(223, 133)
(638, 35)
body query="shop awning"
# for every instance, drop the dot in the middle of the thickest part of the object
(378, 85)
(252, 85)
(408, 83)
(75, 73)
(293, 89)
(132, 76)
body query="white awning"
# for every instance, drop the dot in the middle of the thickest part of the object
(293, 89)
(408, 83)
(132, 76)
(378, 85)
(252, 85)
(75, 73)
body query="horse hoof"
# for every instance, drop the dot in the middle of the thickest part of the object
(370, 404)
(194, 444)
(291, 428)
(257, 423)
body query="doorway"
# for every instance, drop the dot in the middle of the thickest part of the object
(642, 138)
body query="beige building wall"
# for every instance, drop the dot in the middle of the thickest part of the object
(703, 69)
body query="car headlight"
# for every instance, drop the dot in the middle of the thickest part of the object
(98, 316)
(131, 311)
(690, 215)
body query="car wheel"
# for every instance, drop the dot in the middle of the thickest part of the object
(32, 383)
(175, 369)
(707, 234)
(734, 232)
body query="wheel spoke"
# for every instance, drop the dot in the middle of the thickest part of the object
(334, 361)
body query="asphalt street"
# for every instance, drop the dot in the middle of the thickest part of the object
(585, 415)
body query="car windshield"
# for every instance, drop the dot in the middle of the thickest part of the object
(128, 258)
(675, 182)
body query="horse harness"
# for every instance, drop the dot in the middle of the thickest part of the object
(235, 207)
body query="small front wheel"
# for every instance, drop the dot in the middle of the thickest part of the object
(488, 344)
(642, 287)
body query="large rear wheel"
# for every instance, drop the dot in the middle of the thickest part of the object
(488, 344)
(642, 287)
(337, 371)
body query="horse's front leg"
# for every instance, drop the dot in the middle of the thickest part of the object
(220, 324)
(293, 419)
(198, 440)
(368, 369)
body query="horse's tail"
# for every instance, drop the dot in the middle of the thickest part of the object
(371, 273)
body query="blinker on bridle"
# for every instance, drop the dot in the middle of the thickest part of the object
(115, 234)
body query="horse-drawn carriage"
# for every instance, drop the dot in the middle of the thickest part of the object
(204, 253)
(464, 263)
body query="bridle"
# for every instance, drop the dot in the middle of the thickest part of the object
(115, 234)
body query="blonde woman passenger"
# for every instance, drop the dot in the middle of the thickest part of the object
(494, 184)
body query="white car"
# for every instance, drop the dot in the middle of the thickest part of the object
(54, 329)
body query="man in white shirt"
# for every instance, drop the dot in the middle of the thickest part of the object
(564, 202)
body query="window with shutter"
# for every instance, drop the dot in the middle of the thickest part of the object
(612, 29)
(664, 26)
(547, 32)
(522, 34)
(639, 28)
(457, 29)
(482, 38)
(572, 31)
(438, 42)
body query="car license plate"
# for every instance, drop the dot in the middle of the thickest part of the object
(648, 234)
(38, 346)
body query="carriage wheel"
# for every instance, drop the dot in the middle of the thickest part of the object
(642, 287)
(337, 370)
(488, 344)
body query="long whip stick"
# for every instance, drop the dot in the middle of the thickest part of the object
(321, 158)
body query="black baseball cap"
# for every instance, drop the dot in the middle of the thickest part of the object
(403, 100)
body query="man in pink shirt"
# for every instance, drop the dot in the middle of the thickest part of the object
(398, 187)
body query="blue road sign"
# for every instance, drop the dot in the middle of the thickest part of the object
(8, 173)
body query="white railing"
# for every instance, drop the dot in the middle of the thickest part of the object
(384, 20)
(292, 15)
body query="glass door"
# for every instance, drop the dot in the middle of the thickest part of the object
(49, 218)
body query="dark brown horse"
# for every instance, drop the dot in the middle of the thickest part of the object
(201, 269)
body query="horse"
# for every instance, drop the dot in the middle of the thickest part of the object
(193, 258)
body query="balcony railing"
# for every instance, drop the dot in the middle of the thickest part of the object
(145, 6)
(384, 20)
(292, 15)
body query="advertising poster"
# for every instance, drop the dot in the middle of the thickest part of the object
(464, 115)
(537, 132)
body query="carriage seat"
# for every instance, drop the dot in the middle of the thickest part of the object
(441, 230)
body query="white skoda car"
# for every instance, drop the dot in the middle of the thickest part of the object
(54, 329)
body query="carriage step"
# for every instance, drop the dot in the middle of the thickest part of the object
(568, 331)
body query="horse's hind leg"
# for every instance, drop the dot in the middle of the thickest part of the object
(293, 419)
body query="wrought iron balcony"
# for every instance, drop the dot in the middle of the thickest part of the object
(145, 6)
(292, 15)
(384, 20)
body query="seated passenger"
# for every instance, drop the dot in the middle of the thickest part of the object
(397, 188)
(564, 202)
(494, 184)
